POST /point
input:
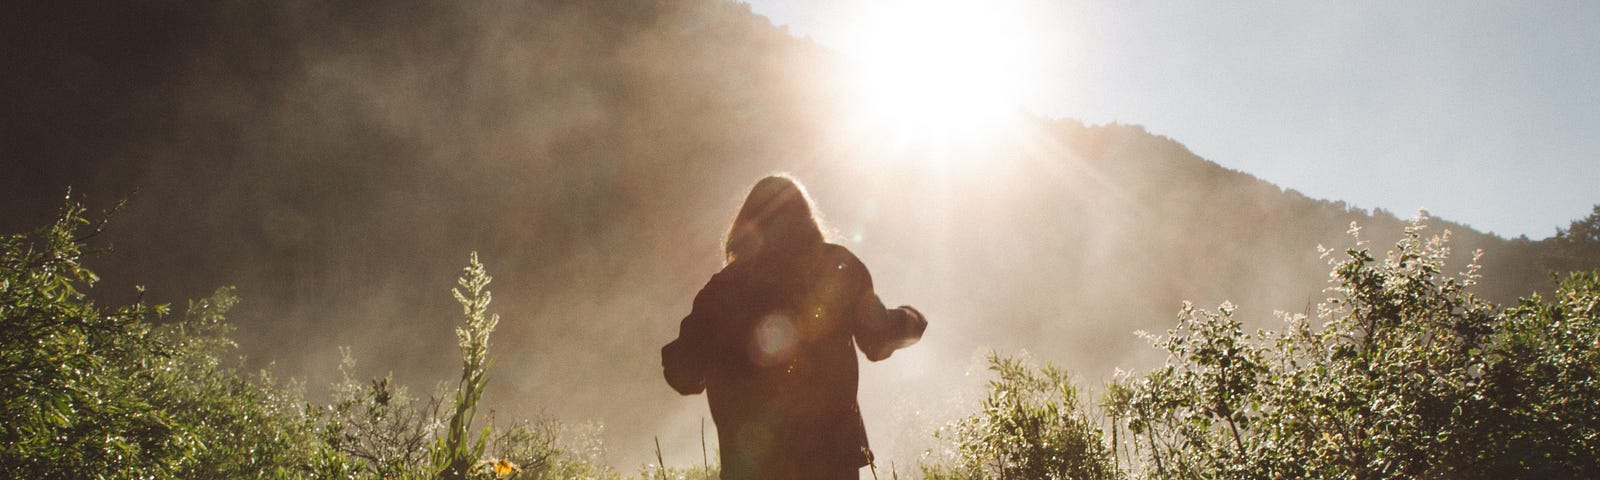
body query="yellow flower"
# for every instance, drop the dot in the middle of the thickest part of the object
(504, 467)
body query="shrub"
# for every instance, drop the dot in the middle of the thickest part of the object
(91, 392)
(1405, 374)
(376, 427)
(1031, 425)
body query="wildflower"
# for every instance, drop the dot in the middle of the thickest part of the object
(502, 467)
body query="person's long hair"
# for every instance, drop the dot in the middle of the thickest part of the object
(776, 220)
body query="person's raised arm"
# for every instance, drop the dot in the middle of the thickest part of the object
(879, 331)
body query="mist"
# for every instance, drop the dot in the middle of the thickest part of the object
(337, 161)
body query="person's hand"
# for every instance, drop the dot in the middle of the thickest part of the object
(910, 324)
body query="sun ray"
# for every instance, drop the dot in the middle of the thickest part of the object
(940, 72)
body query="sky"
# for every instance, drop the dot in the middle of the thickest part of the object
(1485, 113)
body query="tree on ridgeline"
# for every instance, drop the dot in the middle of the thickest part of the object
(1577, 247)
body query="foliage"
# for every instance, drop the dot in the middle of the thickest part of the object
(548, 450)
(377, 426)
(1575, 248)
(1030, 426)
(1197, 402)
(90, 392)
(694, 472)
(1405, 374)
(1534, 411)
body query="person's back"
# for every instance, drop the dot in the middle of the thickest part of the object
(771, 340)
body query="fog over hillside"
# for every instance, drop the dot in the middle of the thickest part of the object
(337, 161)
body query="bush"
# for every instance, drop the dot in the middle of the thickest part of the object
(1405, 374)
(1030, 426)
(376, 427)
(90, 392)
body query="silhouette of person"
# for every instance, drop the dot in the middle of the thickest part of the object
(771, 340)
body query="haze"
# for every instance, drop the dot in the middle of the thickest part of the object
(1489, 104)
(338, 161)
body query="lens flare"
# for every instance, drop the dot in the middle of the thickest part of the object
(775, 340)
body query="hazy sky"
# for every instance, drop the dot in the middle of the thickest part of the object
(1486, 113)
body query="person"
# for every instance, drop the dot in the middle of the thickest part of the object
(771, 340)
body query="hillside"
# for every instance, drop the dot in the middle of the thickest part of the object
(336, 160)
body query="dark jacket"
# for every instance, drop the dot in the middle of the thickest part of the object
(772, 343)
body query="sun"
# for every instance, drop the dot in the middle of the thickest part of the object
(939, 71)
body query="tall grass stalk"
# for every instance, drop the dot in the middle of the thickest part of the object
(454, 456)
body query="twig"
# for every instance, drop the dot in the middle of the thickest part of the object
(661, 465)
(704, 458)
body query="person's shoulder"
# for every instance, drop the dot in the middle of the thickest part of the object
(730, 274)
(841, 258)
(835, 252)
(722, 286)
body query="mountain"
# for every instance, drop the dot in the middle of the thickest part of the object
(338, 160)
